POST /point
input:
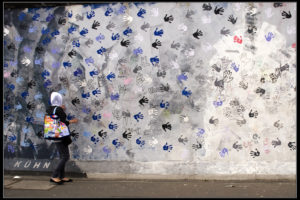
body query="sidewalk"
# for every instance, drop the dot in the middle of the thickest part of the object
(40, 187)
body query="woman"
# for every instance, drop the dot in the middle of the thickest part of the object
(58, 175)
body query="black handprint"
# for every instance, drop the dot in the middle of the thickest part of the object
(110, 25)
(175, 46)
(102, 134)
(164, 88)
(14, 73)
(253, 114)
(156, 43)
(31, 83)
(252, 29)
(206, 6)
(145, 26)
(197, 34)
(219, 11)
(254, 153)
(143, 100)
(125, 43)
(75, 101)
(95, 24)
(197, 146)
(11, 46)
(72, 53)
(74, 134)
(237, 146)
(168, 19)
(292, 145)
(62, 21)
(30, 106)
(39, 49)
(182, 140)
(276, 143)
(277, 5)
(167, 126)
(260, 90)
(213, 121)
(127, 135)
(137, 68)
(225, 31)
(231, 19)
(286, 15)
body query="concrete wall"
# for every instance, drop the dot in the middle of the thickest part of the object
(158, 88)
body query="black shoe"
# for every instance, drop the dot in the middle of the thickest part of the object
(58, 183)
(69, 180)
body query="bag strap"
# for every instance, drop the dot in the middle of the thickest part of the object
(54, 110)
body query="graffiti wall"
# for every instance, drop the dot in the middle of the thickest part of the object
(156, 84)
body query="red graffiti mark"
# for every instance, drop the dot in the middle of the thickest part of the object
(267, 151)
(294, 45)
(238, 39)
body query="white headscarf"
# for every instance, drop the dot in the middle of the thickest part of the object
(56, 99)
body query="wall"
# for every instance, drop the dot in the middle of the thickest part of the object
(158, 88)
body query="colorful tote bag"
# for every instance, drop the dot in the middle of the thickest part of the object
(54, 128)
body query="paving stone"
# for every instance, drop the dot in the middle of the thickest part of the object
(32, 185)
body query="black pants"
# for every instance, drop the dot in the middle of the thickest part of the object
(64, 155)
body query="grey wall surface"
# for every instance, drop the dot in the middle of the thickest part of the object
(166, 88)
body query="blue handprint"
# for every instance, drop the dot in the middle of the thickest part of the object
(138, 51)
(127, 31)
(18, 38)
(186, 93)
(218, 103)
(101, 50)
(85, 95)
(70, 117)
(78, 72)
(10, 148)
(112, 126)
(140, 142)
(115, 37)
(110, 76)
(18, 107)
(223, 152)
(11, 86)
(158, 33)
(89, 60)
(36, 16)
(45, 73)
(72, 29)
(45, 31)
(90, 15)
(47, 83)
(114, 97)
(108, 11)
(70, 14)
(154, 60)
(236, 68)
(95, 139)
(32, 29)
(269, 37)
(138, 116)
(56, 65)
(49, 17)
(167, 147)
(121, 10)
(22, 16)
(84, 31)
(200, 132)
(94, 73)
(100, 37)
(38, 96)
(116, 143)
(67, 64)
(54, 33)
(182, 77)
(141, 12)
(29, 119)
(46, 41)
(96, 117)
(96, 91)
(164, 105)
(86, 110)
(7, 107)
(12, 138)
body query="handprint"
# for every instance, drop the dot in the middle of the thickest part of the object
(164, 105)
(255, 153)
(182, 140)
(168, 19)
(232, 19)
(108, 11)
(167, 126)
(197, 146)
(206, 7)
(125, 43)
(127, 135)
(213, 121)
(253, 114)
(138, 116)
(197, 34)
(110, 25)
(164, 88)
(96, 91)
(158, 32)
(219, 11)
(62, 21)
(145, 26)
(286, 15)
(189, 14)
(276, 143)
(31, 83)
(72, 53)
(175, 46)
(237, 146)
(225, 31)
(90, 15)
(74, 135)
(167, 147)
(277, 4)
(95, 24)
(102, 134)
(112, 126)
(140, 142)
(156, 43)
(186, 93)
(96, 117)
(75, 101)
(136, 69)
(292, 145)
(110, 76)
(141, 12)
(261, 91)
(143, 100)
(115, 37)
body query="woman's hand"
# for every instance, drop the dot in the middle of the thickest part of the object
(73, 121)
